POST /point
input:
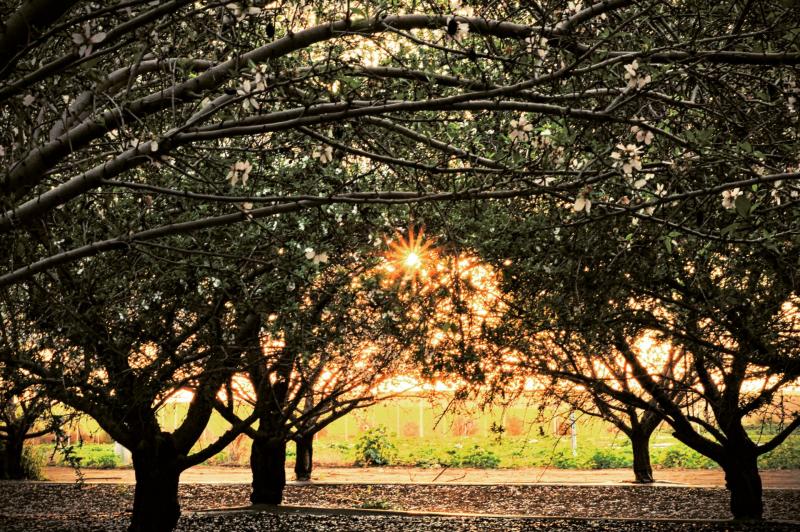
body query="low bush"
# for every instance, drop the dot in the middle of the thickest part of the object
(474, 456)
(785, 456)
(564, 460)
(374, 448)
(609, 459)
(684, 458)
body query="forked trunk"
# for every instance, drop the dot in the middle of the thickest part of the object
(304, 462)
(155, 502)
(267, 462)
(744, 483)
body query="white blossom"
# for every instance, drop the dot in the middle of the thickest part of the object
(323, 153)
(729, 197)
(628, 157)
(582, 203)
(537, 45)
(775, 193)
(240, 171)
(642, 181)
(240, 13)
(632, 76)
(86, 40)
(642, 135)
(315, 257)
(249, 101)
(28, 100)
(520, 129)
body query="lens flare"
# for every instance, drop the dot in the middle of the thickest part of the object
(411, 255)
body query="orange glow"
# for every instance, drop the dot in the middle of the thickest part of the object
(410, 256)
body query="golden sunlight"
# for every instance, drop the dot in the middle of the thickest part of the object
(409, 255)
(412, 261)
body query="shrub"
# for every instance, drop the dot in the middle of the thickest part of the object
(608, 459)
(785, 456)
(685, 458)
(100, 456)
(426, 457)
(374, 448)
(33, 460)
(475, 456)
(376, 504)
(562, 460)
(104, 461)
(515, 426)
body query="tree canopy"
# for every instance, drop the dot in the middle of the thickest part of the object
(176, 172)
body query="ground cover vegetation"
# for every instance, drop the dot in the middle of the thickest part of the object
(177, 173)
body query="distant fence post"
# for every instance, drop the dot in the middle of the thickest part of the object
(421, 419)
(573, 433)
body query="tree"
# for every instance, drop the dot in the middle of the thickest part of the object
(165, 133)
(570, 370)
(118, 354)
(26, 412)
(327, 348)
(20, 419)
(729, 308)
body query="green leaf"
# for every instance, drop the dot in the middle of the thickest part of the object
(743, 205)
(730, 229)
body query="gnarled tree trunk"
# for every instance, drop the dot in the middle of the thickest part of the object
(155, 502)
(640, 442)
(267, 462)
(11, 450)
(304, 462)
(744, 483)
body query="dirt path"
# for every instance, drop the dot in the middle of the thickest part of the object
(410, 475)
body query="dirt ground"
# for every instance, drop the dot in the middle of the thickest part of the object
(788, 479)
(315, 507)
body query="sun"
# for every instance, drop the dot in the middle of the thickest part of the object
(411, 254)
(412, 261)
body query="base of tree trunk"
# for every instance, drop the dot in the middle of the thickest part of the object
(304, 462)
(642, 469)
(744, 484)
(267, 462)
(155, 502)
(11, 466)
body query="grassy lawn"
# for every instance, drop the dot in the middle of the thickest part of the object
(416, 434)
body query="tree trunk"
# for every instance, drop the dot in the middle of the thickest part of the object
(11, 458)
(304, 462)
(155, 502)
(642, 469)
(267, 462)
(744, 483)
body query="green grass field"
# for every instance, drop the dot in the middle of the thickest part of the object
(419, 435)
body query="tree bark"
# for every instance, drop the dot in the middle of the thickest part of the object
(11, 458)
(267, 462)
(304, 462)
(155, 502)
(642, 469)
(744, 483)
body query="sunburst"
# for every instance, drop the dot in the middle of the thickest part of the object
(411, 256)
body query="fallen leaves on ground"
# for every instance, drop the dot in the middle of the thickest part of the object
(30, 506)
